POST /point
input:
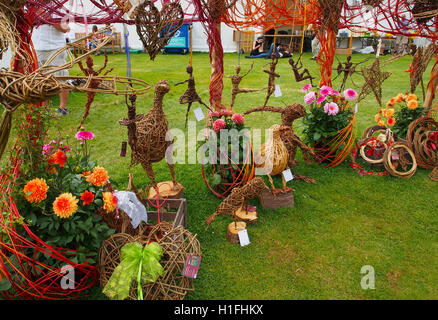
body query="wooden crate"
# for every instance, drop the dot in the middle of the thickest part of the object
(173, 211)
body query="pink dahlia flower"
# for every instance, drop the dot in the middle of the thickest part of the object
(227, 113)
(238, 118)
(325, 91)
(212, 114)
(84, 135)
(321, 99)
(310, 98)
(350, 94)
(331, 109)
(218, 125)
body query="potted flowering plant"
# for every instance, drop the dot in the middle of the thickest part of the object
(330, 112)
(221, 177)
(64, 201)
(399, 120)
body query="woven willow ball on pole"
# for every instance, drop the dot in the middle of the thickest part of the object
(177, 244)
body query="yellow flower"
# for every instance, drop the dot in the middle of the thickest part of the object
(98, 177)
(399, 98)
(109, 202)
(412, 97)
(36, 190)
(377, 118)
(385, 113)
(412, 104)
(390, 105)
(390, 113)
(381, 123)
(65, 205)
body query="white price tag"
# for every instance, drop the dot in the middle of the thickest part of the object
(199, 114)
(355, 108)
(288, 176)
(243, 237)
(277, 92)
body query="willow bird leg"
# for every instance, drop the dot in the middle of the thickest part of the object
(150, 172)
(285, 189)
(172, 173)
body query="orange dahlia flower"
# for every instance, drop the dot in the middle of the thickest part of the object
(98, 177)
(58, 158)
(109, 202)
(65, 205)
(390, 113)
(400, 97)
(377, 118)
(36, 190)
(412, 97)
(381, 123)
(412, 104)
(87, 197)
(391, 122)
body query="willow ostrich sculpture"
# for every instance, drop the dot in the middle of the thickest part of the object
(288, 115)
(147, 135)
(190, 95)
(238, 199)
(236, 79)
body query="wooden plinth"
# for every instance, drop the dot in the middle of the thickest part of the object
(166, 190)
(233, 230)
(281, 200)
(246, 216)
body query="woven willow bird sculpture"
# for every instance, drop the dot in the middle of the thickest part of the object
(272, 158)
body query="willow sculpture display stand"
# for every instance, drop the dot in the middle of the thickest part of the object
(233, 231)
(166, 189)
(243, 214)
(269, 200)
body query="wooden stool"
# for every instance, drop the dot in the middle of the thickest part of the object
(233, 230)
(246, 216)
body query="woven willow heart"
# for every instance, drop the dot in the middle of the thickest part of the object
(155, 28)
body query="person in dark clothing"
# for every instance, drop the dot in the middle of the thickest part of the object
(257, 47)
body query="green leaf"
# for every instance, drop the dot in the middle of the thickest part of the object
(5, 284)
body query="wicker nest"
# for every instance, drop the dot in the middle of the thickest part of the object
(177, 244)
(418, 139)
(405, 165)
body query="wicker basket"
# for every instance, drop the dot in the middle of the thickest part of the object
(177, 244)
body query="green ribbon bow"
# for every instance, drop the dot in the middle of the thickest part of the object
(136, 262)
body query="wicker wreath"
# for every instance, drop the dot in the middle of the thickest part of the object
(418, 139)
(176, 243)
(405, 165)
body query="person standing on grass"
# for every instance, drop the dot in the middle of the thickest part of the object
(47, 39)
(402, 40)
(316, 45)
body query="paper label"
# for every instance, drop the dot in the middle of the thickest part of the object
(243, 237)
(355, 108)
(191, 266)
(277, 92)
(252, 208)
(199, 114)
(394, 155)
(288, 176)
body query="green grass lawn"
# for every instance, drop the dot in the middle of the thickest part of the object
(313, 251)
